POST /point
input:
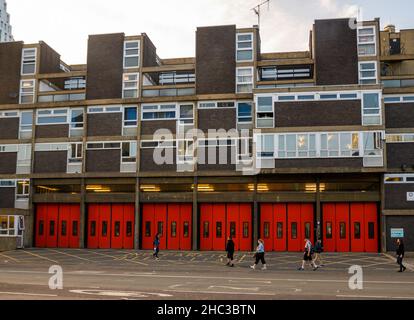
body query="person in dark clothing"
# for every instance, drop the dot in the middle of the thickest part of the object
(156, 246)
(230, 252)
(400, 254)
(318, 253)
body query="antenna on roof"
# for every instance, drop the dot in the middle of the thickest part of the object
(257, 8)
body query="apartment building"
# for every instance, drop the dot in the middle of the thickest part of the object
(288, 146)
(5, 27)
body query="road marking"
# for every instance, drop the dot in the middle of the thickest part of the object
(409, 266)
(115, 258)
(372, 297)
(221, 292)
(71, 255)
(29, 294)
(233, 288)
(242, 258)
(121, 294)
(39, 256)
(8, 257)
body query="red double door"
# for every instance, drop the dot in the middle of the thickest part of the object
(350, 227)
(219, 221)
(57, 226)
(284, 227)
(111, 226)
(173, 222)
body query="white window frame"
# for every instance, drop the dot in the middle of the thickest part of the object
(131, 55)
(258, 111)
(20, 121)
(163, 143)
(124, 120)
(27, 94)
(379, 114)
(72, 124)
(244, 83)
(214, 104)
(125, 88)
(360, 71)
(26, 190)
(238, 49)
(368, 42)
(8, 148)
(46, 147)
(9, 114)
(78, 148)
(132, 150)
(403, 137)
(405, 98)
(115, 108)
(106, 145)
(51, 115)
(403, 177)
(158, 108)
(244, 117)
(7, 183)
(29, 62)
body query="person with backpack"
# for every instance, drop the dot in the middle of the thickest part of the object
(156, 244)
(400, 254)
(230, 252)
(259, 255)
(307, 256)
(318, 253)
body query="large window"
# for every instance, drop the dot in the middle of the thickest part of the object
(130, 116)
(266, 147)
(75, 154)
(265, 116)
(131, 54)
(244, 47)
(130, 85)
(27, 91)
(159, 112)
(26, 121)
(371, 106)
(297, 146)
(244, 112)
(52, 116)
(368, 72)
(29, 61)
(129, 152)
(244, 78)
(367, 41)
(76, 119)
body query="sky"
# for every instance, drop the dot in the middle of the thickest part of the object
(171, 24)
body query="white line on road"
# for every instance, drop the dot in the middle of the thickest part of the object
(353, 296)
(233, 288)
(30, 294)
(220, 292)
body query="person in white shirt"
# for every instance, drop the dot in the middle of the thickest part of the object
(307, 256)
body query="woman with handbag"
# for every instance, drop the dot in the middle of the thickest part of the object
(400, 254)
(259, 255)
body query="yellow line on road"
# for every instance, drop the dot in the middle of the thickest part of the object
(8, 257)
(409, 266)
(70, 255)
(116, 258)
(39, 256)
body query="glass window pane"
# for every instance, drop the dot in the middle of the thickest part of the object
(280, 230)
(357, 230)
(328, 230)
(342, 230)
(294, 230)
(219, 230)
(148, 229)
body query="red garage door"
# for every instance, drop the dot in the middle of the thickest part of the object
(350, 227)
(284, 227)
(173, 222)
(111, 226)
(219, 221)
(57, 226)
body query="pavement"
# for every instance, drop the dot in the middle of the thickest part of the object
(136, 275)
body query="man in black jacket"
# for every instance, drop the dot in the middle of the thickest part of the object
(230, 252)
(400, 254)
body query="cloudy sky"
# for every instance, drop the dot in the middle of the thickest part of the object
(171, 24)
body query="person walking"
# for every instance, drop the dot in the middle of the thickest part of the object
(259, 255)
(230, 252)
(156, 244)
(400, 254)
(318, 253)
(307, 256)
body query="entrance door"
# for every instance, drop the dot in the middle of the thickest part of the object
(117, 224)
(329, 227)
(52, 226)
(219, 227)
(64, 226)
(266, 226)
(74, 226)
(128, 226)
(371, 227)
(245, 227)
(186, 214)
(233, 225)
(148, 226)
(173, 236)
(295, 230)
(160, 219)
(357, 227)
(280, 227)
(206, 225)
(41, 222)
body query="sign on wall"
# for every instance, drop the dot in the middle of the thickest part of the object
(410, 196)
(397, 233)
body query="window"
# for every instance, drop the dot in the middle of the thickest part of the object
(265, 115)
(75, 228)
(275, 73)
(329, 231)
(9, 114)
(129, 228)
(349, 144)
(159, 112)
(103, 145)
(233, 229)
(63, 228)
(75, 155)
(342, 230)
(129, 152)
(106, 109)
(160, 228)
(26, 121)
(294, 230)
(117, 229)
(307, 230)
(76, 119)
(148, 229)
(104, 228)
(398, 138)
(130, 116)
(371, 230)
(244, 112)
(367, 41)
(219, 230)
(357, 230)
(371, 109)
(22, 189)
(297, 146)
(173, 229)
(244, 47)
(130, 85)
(52, 116)
(368, 72)
(93, 228)
(266, 147)
(206, 229)
(186, 229)
(131, 54)
(244, 80)
(52, 228)
(245, 230)
(29, 61)
(266, 230)
(27, 91)
(279, 233)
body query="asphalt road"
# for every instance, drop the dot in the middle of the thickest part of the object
(128, 275)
